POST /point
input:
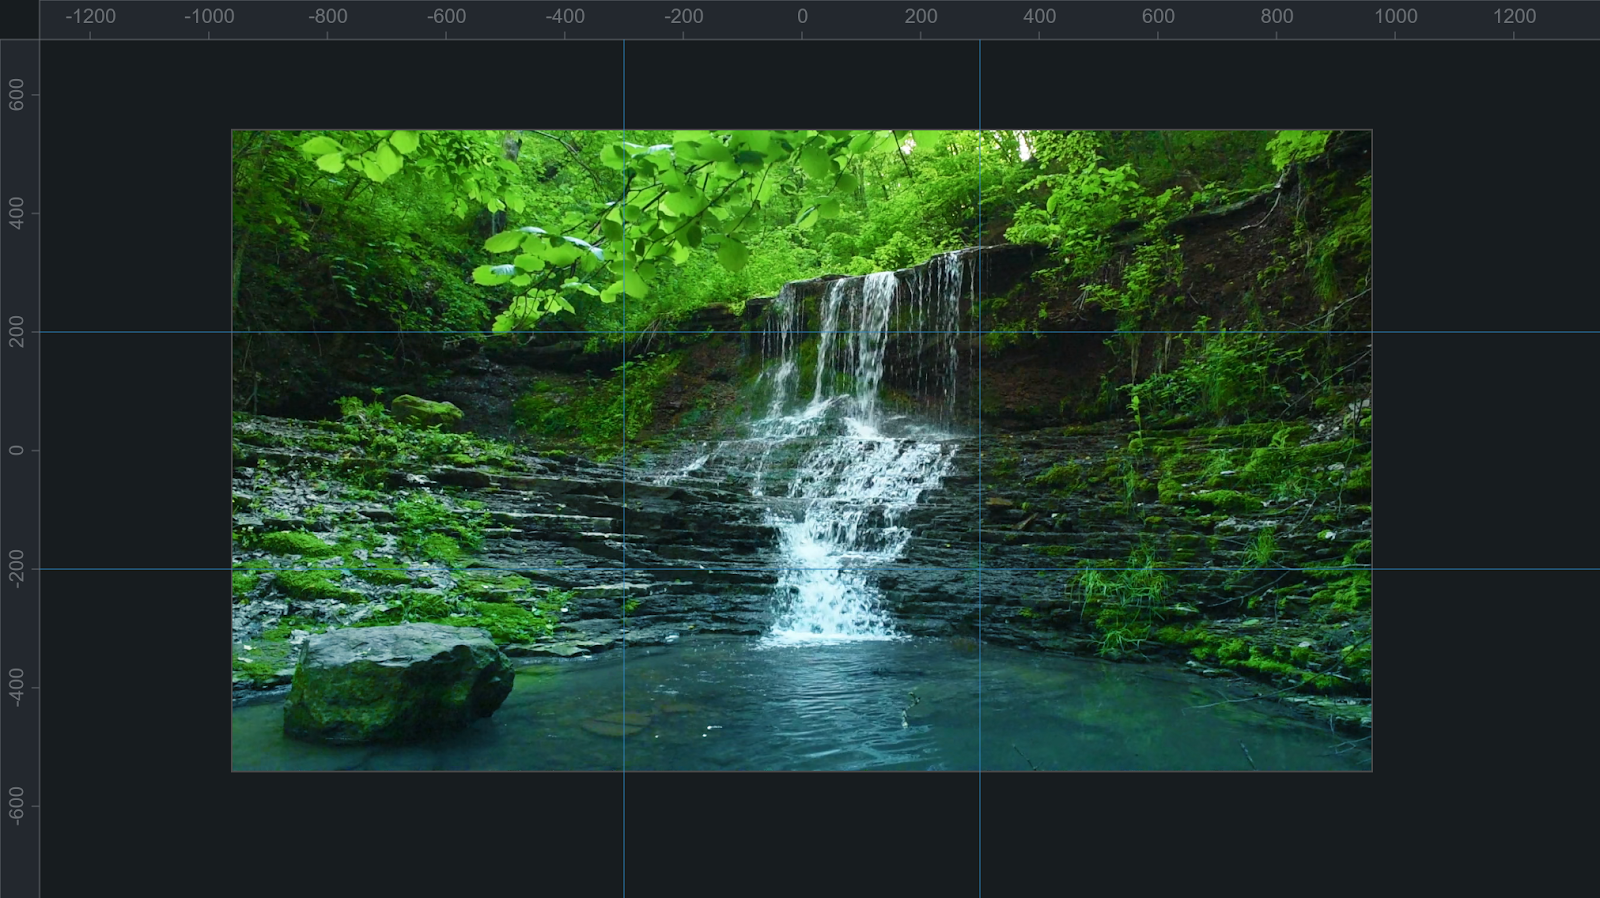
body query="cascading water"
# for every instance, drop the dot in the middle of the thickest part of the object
(859, 468)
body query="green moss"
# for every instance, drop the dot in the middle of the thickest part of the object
(244, 583)
(1265, 665)
(438, 547)
(1226, 500)
(1356, 656)
(492, 587)
(1233, 650)
(312, 585)
(1191, 635)
(1062, 477)
(507, 624)
(382, 571)
(299, 542)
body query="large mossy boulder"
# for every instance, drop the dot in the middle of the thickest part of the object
(421, 412)
(394, 684)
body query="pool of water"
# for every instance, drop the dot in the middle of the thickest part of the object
(726, 704)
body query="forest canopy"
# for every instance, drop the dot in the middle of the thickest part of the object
(610, 231)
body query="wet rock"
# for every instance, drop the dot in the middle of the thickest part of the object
(620, 723)
(381, 684)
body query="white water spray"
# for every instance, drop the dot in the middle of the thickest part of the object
(861, 469)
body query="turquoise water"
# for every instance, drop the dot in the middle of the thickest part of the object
(727, 704)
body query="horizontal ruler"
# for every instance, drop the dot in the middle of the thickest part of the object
(968, 20)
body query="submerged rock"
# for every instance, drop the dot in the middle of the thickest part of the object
(387, 684)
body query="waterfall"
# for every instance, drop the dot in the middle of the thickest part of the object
(857, 466)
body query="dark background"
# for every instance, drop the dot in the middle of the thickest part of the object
(1478, 229)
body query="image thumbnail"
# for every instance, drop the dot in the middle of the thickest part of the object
(802, 450)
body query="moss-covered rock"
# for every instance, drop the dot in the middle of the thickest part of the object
(421, 412)
(383, 684)
(296, 542)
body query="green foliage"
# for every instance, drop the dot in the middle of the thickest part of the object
(1127, 598)
(604, 415)
(1262, 548)
(1348, 240)
(1223, 377)
(1296, 146)
(432, 529)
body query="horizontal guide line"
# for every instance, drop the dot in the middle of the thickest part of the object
(826, 39)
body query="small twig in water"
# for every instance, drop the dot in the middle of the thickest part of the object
(1023, 756)
(1247, 756)
(914, 702)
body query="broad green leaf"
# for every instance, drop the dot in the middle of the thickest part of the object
(612, 156)
(756, 141)
(671, 177)
(373, 169)
(862, 141)
(680, 253)
(928, 140)
(585, 245)
(581, 287)
(514, 200)
(807, 218)
(683, 202)
(732, 254)
(846, 185)
(388, 159)
(522, 280)
(562, 254)
(694, 235)
(829, 208)
(332, 162)
(713, 151)
(611, 229)
(562, 303)
(635, 287)
(528, 262)
(503, 241)
(815, 163)
(686, 150)
(320, 146)
(404, 141)
(507, 165)
(487, 276)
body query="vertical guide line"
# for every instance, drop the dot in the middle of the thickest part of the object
(977, 301)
